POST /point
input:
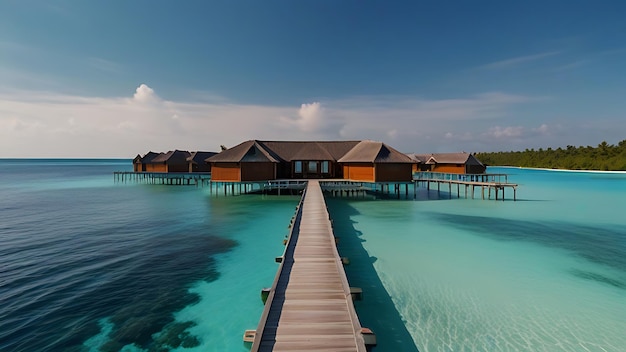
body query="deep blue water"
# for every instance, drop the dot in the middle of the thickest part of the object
(77, 248)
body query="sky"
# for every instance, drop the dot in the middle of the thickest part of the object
(117, 78)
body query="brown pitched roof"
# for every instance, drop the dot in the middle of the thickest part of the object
(309, 150)
(374, 152)
(276, 151)
(147, 158)
(248, 151)
(173, 156)
(341, 151)
(453, 158)
(199, 157)
(339, 148)
(420, 158)
(312, 151)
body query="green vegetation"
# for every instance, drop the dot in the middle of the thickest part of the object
(605, 157)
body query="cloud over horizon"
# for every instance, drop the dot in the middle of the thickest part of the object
(44, 124)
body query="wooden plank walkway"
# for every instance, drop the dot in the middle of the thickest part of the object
(309, 307)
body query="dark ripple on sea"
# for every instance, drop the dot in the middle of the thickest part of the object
(68, 261)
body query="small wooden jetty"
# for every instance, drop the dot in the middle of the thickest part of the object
(163, 178)
(489, 182)
(309, 306)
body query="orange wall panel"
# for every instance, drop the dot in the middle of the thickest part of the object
(449, 168)
(227, 172)
(156, 168)
(359, 172)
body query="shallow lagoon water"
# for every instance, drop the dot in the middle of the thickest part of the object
(88, 264)
(546, 273)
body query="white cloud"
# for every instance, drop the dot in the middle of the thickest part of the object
(145, 94)
(312, 121)
(43, 124)
(418, 124)
(310, 116)
(506, 132)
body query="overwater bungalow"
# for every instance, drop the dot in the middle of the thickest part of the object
(172, 161)
(140, 162)
(371, 161)
(196, 161)
(269, 160)
(453, 163)
(256, 160)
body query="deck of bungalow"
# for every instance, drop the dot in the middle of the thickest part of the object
(163, 178)
(487, 182)
(309, 306)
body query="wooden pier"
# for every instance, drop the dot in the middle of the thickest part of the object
(489, 182)
(309, 306)
(163, 178)
(203, 179)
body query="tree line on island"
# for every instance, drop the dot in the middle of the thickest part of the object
(605, 157)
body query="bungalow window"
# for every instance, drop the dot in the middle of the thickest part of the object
(324, 167)
(313, 166)
(298, 167)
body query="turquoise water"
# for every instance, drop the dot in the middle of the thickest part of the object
(545, 273)
(87, 264)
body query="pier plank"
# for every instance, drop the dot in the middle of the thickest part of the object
(310, 307)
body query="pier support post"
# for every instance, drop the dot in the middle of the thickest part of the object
(265, 292)
(356, 293)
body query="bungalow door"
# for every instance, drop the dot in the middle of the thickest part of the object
(312, 170)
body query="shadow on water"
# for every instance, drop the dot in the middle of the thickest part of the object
(376, 311)
(602, 245)
(589, 275)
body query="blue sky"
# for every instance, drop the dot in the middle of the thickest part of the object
(117, 78)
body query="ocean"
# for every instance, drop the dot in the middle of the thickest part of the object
(88, 264)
